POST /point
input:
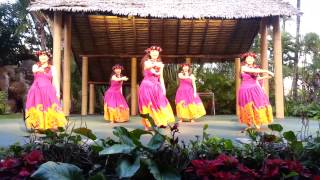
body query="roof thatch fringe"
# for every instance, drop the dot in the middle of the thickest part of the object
(228, 9)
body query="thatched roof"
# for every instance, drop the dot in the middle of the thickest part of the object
(171, 8)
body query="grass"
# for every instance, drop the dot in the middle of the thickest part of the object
(10, 116)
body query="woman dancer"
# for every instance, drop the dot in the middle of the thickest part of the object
(152, 99)
(43, 110)
(116, 108)
(188, 103)
(255, 109)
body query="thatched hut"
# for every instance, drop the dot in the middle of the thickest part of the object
(99, 33)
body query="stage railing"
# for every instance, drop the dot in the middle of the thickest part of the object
(209, 94)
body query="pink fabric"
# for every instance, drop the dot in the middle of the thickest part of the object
(42, 91)
(251, 91)
(113, 97)
(185, 93)
(150, 92)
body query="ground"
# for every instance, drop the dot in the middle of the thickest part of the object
(226, 126)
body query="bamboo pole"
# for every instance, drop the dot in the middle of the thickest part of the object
(264, 52)
(57, 31)
(238, 81)
(134, 86)
(84, 86)
(278, 68)
(67, 66)
(92, 97)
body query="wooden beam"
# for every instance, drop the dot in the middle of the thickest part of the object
(204, 36)
(166, 55)
(177, 35)
(57, 32)
(190, 36)
(134, 101)
(149, 32)
(67, 66)
(278, 68)
(110, 48)
(162, 33)
(123, 47)
(264, 52)
(84, 86)
(91, 98)
(238, 81)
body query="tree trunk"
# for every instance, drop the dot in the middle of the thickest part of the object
(296, 56)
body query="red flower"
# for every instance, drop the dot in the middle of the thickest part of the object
(224, 175)
(227, 160)
(9, 163)
(34, 157)
(24, 172)
(247, 172)
(201, 167)
(294, 166)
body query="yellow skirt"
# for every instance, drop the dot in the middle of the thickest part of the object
(161, 117)
(37, 118)
(116, 114)
(251, 115)
(191, 111)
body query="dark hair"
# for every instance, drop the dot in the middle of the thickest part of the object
(188, 65)
(145, 58)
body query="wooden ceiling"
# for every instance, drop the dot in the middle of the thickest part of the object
(114, 39)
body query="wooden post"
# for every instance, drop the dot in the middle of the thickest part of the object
(84, 85)
(264, 52)
(67, 66)
(134, 86)
(277, 50)
(57, 31)
(238, 81)
(188, 60)
(92, 97)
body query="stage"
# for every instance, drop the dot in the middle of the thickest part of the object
(224, 126)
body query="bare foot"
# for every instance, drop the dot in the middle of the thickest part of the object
(180, 121)
(192, 121)
(111, 122)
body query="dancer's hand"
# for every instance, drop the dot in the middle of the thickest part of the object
(271, 73)
(125, 78)
(58, 96)
(195, 94)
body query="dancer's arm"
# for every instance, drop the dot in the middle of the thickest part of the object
(263, 77)
(162, 79)
(115, 78)
(55, 81)
(36, 68)
(194, 85)
(255, 70)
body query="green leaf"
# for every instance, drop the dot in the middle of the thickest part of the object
(275, 127)
(297, 146)
(205, 127)
(124, 136)
(137, 133)
(291, 174)
(98, 176)
(62, 171)
(149, 118)
(117, 149)
(156, 141)
(126, 169)
(162, 173)
(290, 136)
(228, 144)
(85, 132)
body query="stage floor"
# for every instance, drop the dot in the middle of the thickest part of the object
(225, 126)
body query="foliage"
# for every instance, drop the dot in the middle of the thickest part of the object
(3, 102)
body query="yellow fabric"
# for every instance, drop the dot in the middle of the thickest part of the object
(119, 114)
(251, 115)
(36, 118)
(191, 111)
(161, 117)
